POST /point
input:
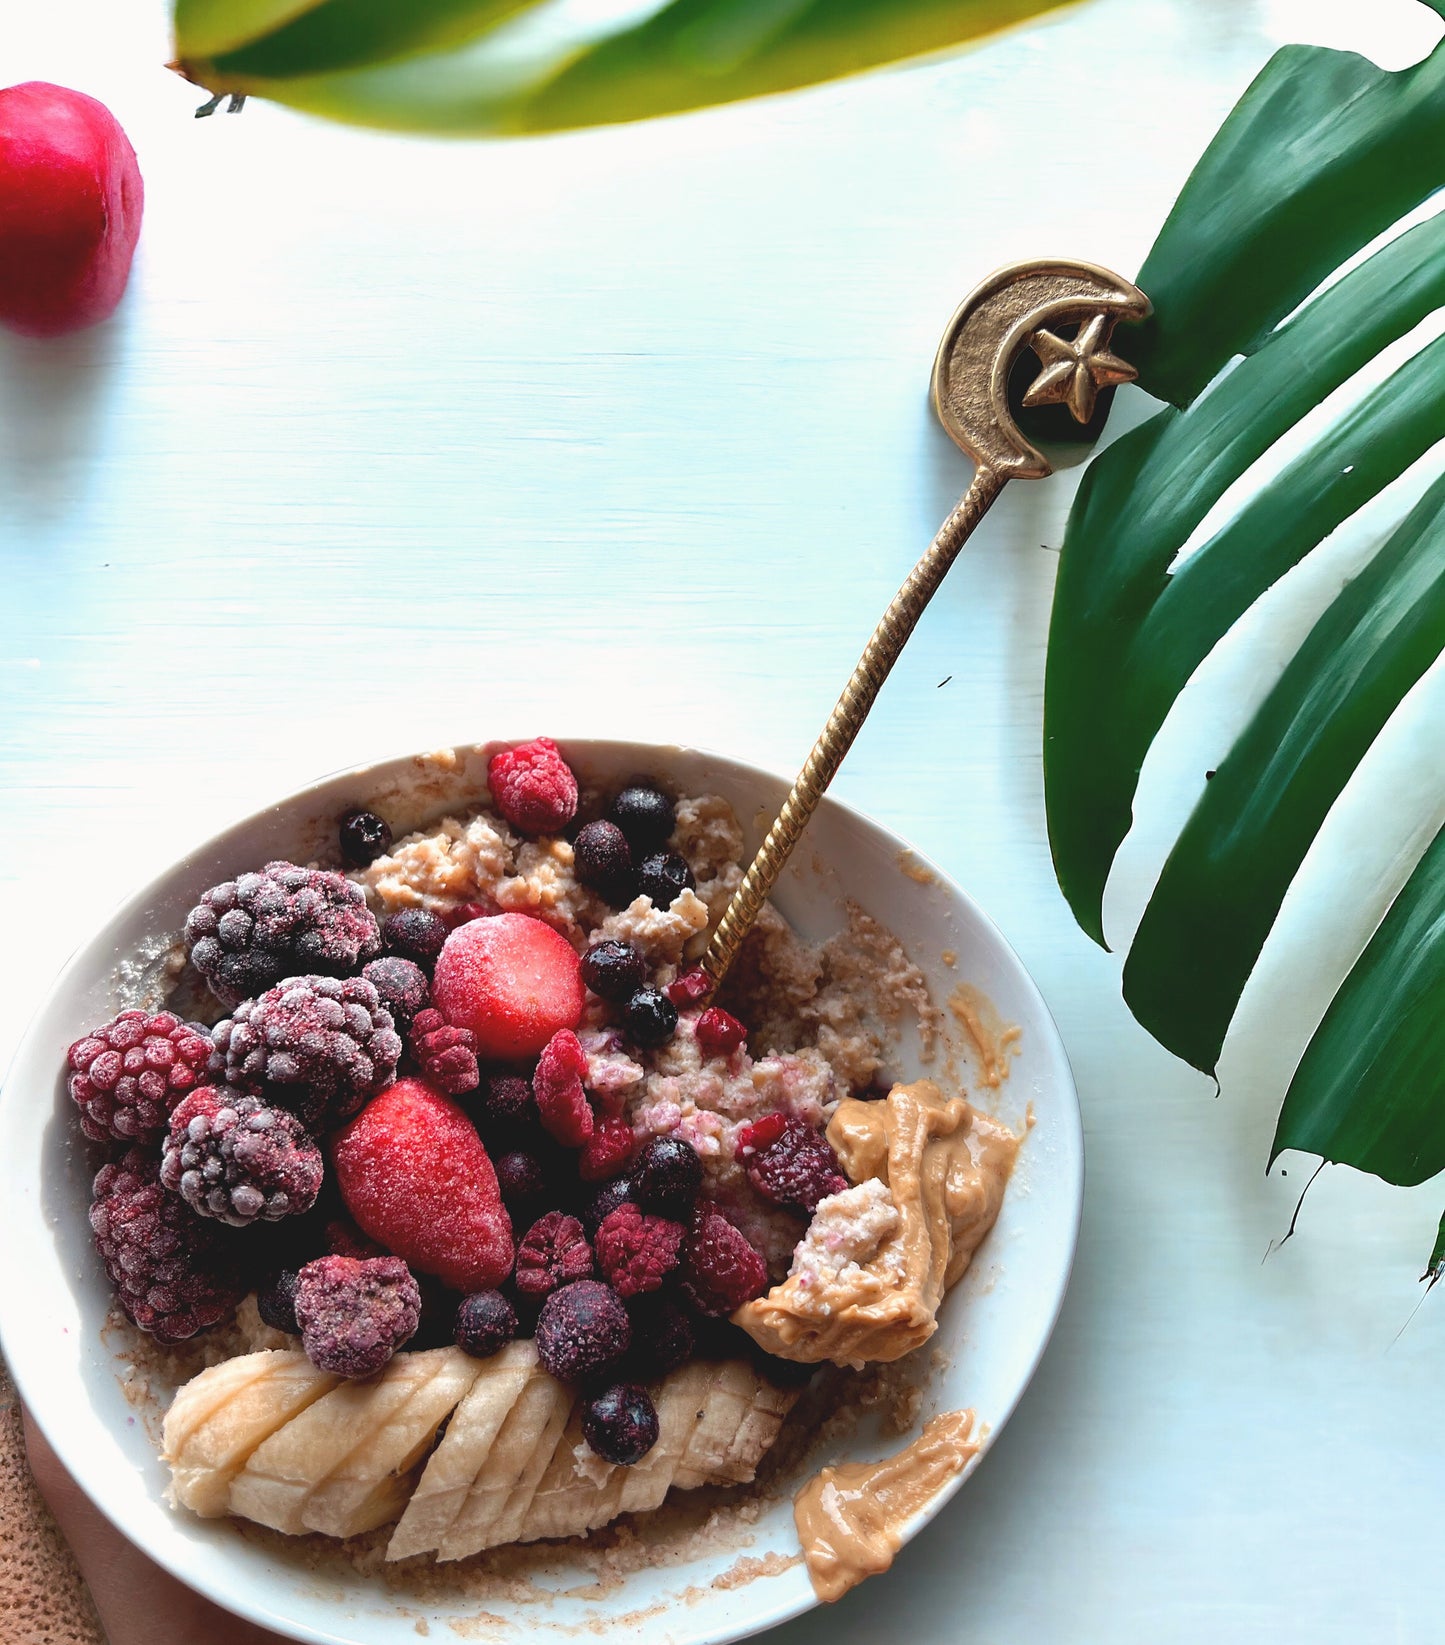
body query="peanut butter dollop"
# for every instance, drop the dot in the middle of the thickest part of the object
(945, 1167)
(850, 1519)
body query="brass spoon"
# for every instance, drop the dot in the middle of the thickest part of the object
(1014, 309)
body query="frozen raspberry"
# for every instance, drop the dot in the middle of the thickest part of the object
(276, 1302)
(645, 815)
(401, 986)
(447, 1056)
(620, 1423)
(554, 1251)
(523, 1183)
(614, 970)
(664, 877)
(249, 933)
(606, 1200)
(126, 1077)
(667, 1178)
(314, 1043)
(174, 1273)
(719, 1033)
(231, 1157)
(533, 787)
(414, 1174)
(606, 1151)
(557, 1084)
(513, 981)
(791, 1164)
(663, 1338)
(689, 987)
(354, 1314)
(637, 1252)
(650, 1018)
(721, 1268)
(486, 1323)
(363, 837)
(413, 934)
(505, 1099)
(602, 860)
(582, 1331)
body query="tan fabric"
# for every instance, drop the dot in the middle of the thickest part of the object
(42, 1598)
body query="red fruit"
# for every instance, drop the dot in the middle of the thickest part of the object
(690, 986)
(70, 209)
(561, 1099)
(415, 1176)
(553, 1252)
(791, 1163)
(721, 1268)
(637, 1252)
(606, 1151)
(533, 787)
(512, 981)
(719, 1033)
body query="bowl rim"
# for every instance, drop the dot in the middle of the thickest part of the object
(194, 1575)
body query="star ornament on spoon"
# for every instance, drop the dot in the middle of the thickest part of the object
(1074, 372)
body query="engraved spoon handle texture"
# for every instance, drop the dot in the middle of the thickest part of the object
(1011, 310)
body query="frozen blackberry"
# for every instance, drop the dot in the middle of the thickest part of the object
(276, 1302)
(582, 1331)
(645, 815)
(604, 1202)
(650, 1018)
(174, 1273)
(603, 862)
(413, 934)
(663, 1337)
(232, 1157)
(667, 1177)
(355, 1313)
(664, 877)
(127, 1076)
(401, 986)
(247, 934)
(364, 837)
(620, 1423)
(317, 1044)
(486, 1323)
(614, 970)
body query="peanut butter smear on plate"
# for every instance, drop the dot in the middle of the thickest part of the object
(851, 1518)
(929, 1174)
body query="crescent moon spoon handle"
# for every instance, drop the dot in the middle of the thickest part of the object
(1009, 312)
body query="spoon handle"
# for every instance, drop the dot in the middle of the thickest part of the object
(846, 720)
(1065, 313)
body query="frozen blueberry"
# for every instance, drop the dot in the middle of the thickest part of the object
(620, 1423)
(645, 815)
(650, 1017)
(667, 1177)
(364, 837)
(413, 934)
(664, 877)
(614, 970)
(603, 861)
(486, 1323)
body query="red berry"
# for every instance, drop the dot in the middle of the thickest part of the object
(606, 1151)
(447, 1056)
(128, 1076)
(721, 1268)
(355, 1313)
(561, 1099)
(414, 1174)
(790, 1163)
(637, 1252)
(554, 1251)
(533, 787)
(512, 981)
(760, 1133)
(70, 208)
(690, 986)
(719, 1033)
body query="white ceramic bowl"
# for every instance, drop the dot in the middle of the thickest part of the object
(993, 1327)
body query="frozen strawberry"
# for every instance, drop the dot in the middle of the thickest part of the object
(415, 1176)
(512, 981)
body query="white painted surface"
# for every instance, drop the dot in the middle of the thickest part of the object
(626, 434)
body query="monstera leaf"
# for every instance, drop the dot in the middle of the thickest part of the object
(488, 66)
(1324, 154)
